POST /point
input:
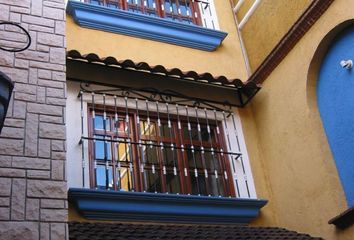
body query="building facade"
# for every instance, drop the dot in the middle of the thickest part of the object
(133, 111)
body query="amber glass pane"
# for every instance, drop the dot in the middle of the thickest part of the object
(124, 178)
(123, 152)
(147, 129)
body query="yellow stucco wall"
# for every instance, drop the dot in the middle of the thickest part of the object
(295, 156)
(226, 60)
(266, 27)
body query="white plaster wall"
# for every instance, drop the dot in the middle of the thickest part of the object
(73, 128)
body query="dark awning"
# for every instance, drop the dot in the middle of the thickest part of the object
(241, 92)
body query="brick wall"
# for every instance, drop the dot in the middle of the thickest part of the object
(32, 143)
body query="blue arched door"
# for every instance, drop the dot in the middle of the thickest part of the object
(335, 94)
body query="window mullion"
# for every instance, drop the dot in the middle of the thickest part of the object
(202, 153)
(139, 151)
(225, 165)
(195, 12)
(179, 15)
(143, 6)
(91, 155)
(124, 4)
(160, 8)
(136, 156)
(180, 163)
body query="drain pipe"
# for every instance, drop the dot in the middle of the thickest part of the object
(249, 13)
(240, 25)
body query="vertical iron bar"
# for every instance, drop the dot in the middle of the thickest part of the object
(172, 145)
(187, 9)
(161, 143)
(171, 8)
(130, 170)
(171, 142)
(220, 155)
(179, 126)
(141, 148)
(82, 140)
(192, 149)
(94, 141)
(212, 149)
(150, 142)
(229, 144)
(154, 7)
(235, 131)
(104, 141)
(201, 146)
(179, 11)
(116, 120)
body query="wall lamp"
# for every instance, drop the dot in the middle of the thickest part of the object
(6, 87)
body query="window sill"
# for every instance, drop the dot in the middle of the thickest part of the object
(143, 26)
(343, 220)
(137, 206)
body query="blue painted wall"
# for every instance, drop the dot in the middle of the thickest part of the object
(335, 95)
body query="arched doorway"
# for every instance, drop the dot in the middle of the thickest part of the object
(335, 98)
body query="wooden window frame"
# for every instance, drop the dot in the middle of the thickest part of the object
(185, 182)
(195, 14)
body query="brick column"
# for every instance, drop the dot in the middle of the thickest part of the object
(33, 189)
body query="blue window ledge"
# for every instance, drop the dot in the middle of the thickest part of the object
(144, 26)
(138, 206)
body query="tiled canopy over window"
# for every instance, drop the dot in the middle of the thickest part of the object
(138, 137)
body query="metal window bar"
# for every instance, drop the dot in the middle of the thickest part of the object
(116, 146)
(188, 11)
(212, 150)
(83, 162)
(133, 166)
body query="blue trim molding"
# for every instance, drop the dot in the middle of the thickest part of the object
(137, 206)
(144, 26)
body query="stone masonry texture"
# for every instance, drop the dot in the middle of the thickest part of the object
(33, 187)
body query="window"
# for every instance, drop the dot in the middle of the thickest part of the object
(186, 11)
(141, 150)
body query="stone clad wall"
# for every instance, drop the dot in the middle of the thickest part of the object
(33, 189)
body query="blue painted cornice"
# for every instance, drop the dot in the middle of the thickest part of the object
(137, 206)
(144, 26)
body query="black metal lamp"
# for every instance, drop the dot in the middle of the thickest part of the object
(6, 87)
